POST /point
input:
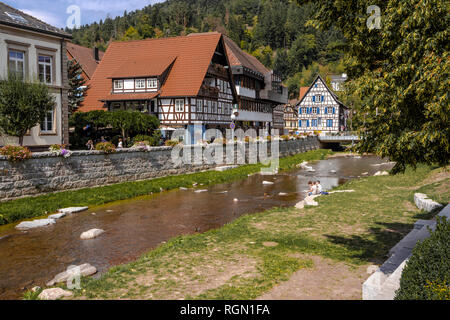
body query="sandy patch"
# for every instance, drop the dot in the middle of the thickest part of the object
(327, 280)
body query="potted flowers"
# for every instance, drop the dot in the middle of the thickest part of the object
(60, 150)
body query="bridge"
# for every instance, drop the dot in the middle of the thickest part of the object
(333, 142)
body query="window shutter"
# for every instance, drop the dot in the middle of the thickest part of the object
(314, 98)
(299, 123)
(318, 110)
(307, 123)
(326, 110)
(300, 110)
(334, 110)
(323, 98)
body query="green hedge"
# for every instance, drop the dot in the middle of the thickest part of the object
(427, 273)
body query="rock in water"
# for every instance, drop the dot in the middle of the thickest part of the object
(73, 209)
(381, 173)
(200, 191)
(26, 225)
(267, 183)
(91, 234)
(83, 270)
(282, 194)
(54, 294)
(57, 216)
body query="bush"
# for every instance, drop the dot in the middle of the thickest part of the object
(427, 273)
(172, 143)
(106, 147)
(149, 140)
(285, 138)
(15, 153)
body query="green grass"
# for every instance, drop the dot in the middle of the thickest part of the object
(232, 262)
(16, 210)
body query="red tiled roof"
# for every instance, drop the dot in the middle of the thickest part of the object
(193, 55)
(153, 66)
(85, 57)
(239, 57)
(303, 91)
(131, 96)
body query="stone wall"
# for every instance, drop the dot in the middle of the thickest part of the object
(46, 173)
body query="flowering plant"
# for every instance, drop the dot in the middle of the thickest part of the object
(15, 153)
(106, 147)
(60, 150)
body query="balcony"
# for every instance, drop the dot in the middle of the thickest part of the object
(208, 91)
(217, 70)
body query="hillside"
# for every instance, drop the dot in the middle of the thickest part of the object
(274, 31)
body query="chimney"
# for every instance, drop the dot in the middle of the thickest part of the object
(96, 55)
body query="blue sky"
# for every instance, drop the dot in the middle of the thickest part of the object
(54, 11)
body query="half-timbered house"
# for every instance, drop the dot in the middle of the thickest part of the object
(259, 89)
(320, 110)
(184, 81)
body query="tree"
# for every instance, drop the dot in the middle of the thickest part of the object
(302, 53)
(402, 68)
(281, 64)
(23, 105)
(77, 86)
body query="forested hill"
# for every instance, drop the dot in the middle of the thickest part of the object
(274, 31)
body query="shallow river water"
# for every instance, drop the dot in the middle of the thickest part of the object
(135, 226)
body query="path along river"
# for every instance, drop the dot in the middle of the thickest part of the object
(135, 226)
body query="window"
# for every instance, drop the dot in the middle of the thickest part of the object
(329, 123)
(118, 84)
(315, 110)
(179, 105)
(45, 69)
(314, 123)
(17, 17)
(214, 107)
(140, 84)
(48, 123)
(300, 123)
(16, 63)
(152, 83)
(199, 105)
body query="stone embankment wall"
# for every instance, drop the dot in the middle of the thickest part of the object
(46, 173)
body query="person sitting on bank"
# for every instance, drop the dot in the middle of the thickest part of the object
(90, 145)
(320, 189)
(312, 188)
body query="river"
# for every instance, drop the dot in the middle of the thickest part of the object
(32, 258)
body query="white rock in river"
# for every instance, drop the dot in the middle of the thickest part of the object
(282, 194)
(73, 209)
(200, 191)
(236, 200)
(91, 234)
(381, 173)
(57, 216)
(333, 171)
(83, 270)
(54, 294)
(267, 183)
(26, 225)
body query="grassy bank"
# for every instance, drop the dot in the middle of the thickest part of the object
(26, 208)
(249, 256)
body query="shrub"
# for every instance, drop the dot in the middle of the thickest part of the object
(285, 137)
(269, 138)
(15, 153)
(172, 143)
(427, 273)
(106, 147)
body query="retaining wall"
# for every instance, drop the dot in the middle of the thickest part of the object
(46, 173)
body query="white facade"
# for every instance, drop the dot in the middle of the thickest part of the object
(32, 49)
(319, 110)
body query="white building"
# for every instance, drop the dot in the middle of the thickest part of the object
(320, 110)
(36, 50)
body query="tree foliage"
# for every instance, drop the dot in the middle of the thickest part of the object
(77, 86)
(23, 105)
(401, 72)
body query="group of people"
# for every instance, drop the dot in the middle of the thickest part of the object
(315, 188)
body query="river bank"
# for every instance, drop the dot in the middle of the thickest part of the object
(256, 253)
(33, 207)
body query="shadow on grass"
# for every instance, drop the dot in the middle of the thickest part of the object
(373, 247)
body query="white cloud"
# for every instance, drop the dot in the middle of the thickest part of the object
(45, 16)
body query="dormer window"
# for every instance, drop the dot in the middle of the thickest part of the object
(140, 83)
(152, 83)
(118, 84)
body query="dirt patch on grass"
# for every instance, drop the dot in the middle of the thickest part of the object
(437, 176)
(409, 206)
(194, 279)
(327, 280)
